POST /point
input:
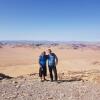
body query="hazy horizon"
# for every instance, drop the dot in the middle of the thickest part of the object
(49, 41)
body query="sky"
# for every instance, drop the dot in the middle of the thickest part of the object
(53, 20)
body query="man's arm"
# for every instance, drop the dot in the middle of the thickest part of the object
(56, 59)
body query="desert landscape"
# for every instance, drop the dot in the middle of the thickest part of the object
(21, 57)
(68, 28)
(78, 71)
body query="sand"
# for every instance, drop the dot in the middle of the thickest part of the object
(24, 60)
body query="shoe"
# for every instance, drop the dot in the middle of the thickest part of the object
(41, 80)
(55, 80)
(51, 80)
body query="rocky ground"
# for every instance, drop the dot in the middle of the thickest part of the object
(71, 86)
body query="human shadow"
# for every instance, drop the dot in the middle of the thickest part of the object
(71, 80)
(3, 76)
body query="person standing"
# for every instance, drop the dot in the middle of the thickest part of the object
(52, 62)
(42, 63)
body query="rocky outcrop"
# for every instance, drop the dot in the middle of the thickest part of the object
(70, 86)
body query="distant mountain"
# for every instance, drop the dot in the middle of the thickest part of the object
(71, 44)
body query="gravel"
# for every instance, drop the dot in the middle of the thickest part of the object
(30, 88)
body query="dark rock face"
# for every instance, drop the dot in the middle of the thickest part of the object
(3, 76)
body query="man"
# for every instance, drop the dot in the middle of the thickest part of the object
(42, 63)
(52, 62)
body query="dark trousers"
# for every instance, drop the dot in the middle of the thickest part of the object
(42, 71)
(51, 70)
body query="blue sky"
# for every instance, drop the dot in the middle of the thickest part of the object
(57, 20)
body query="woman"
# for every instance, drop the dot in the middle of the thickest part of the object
(42, 63)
